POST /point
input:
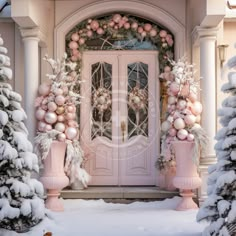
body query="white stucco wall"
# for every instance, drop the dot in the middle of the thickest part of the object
(64, 8)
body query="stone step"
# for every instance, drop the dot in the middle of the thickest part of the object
(119, 193)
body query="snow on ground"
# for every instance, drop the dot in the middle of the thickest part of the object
(98, 218)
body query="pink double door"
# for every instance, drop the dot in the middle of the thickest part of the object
(119, 116)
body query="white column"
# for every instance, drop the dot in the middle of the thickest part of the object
(206, 40)
(208, 86)
(31, 71)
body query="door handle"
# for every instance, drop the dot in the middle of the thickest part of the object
(123, 128)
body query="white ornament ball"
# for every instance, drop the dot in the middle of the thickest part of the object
(60, 100)
(61, 137)
(71, 133)
(44, 89)
(171, 100)
(50, 117)
(190, 119)
(101, 100)
(40, 113)
(165, 126)
(190, 137)
(182, 104)
(182, 134)
(196, 108)
(134, 25)
(198, 119)
(136, 99)
(179, 123)
(41, 126)
(58, 91)
(60, 127)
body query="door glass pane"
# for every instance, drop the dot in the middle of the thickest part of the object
(137, 99)
(101, 100)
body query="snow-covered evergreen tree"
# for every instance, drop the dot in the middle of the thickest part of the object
(21, 197)
(220, 207)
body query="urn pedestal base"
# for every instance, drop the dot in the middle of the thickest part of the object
(53, 177)
(186, 177)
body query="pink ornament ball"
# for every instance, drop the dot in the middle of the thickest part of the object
(89, 33)
(190, 119)
(61, 137)
(165, 126)
(100, 31)
(74, 58)
(65, 90)
(73, 45)
(111, 23)
(163, 33)
(179, 123)
(60, 127)
(153, 32)
(134, 25)
(174, 88)
(72, 123)
(196, 108)
(60, 118)
(70, 108)
(70, 116)
(147, 27)
(172, 132)
(192, 97)
(75, 37)
(127, 25)
(40, 113)
(60, 100)
(48, 127)
(81, 41)
(182, 134)
(71, 133)
(44, 89)
(94, 25)
(50, 117)
(140, 29)
(116, 18)
(190, 137)
(41, 126)
(52, 106)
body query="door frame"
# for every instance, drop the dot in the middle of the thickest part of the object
(157, 100)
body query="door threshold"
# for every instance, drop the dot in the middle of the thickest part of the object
(142, 193)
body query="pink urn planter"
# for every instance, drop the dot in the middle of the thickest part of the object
(53, 177)
(187, 177)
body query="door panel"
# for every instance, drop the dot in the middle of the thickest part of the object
(137, 163)
(97, 127)
(120, 138)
